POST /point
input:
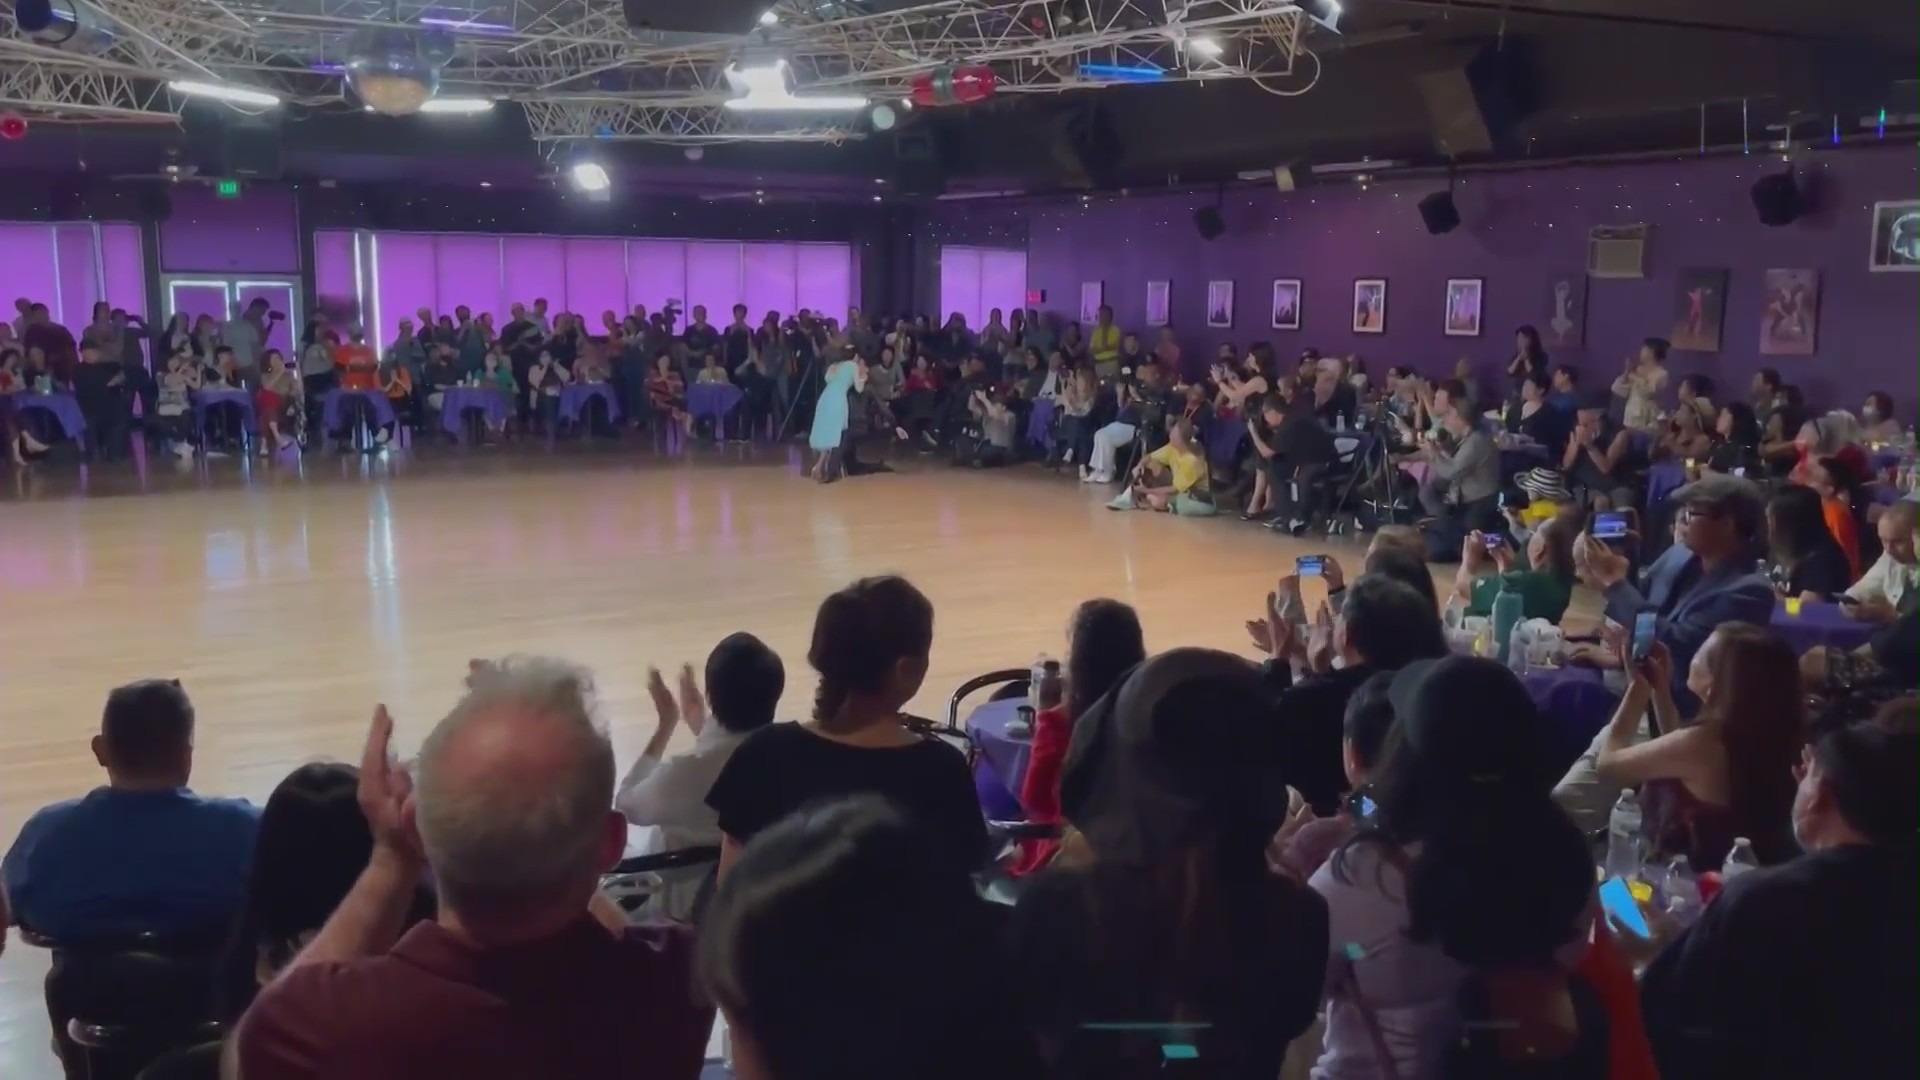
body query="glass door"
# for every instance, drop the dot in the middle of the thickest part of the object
(224, 298)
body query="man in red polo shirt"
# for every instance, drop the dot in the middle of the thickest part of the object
(512, 812)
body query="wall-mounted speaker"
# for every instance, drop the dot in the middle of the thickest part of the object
(1778, 200)
(919, 162)
(1438, 213)
(1208, 222)
(1476, 105)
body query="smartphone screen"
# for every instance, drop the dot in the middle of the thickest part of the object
(1609, 525)
(1310, 565)
(1363, 807)
(1616, 899)
(1644, 625)
(1495, 540)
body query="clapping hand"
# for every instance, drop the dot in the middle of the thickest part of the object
(664, 706)
(1598, 565)
(386, 793)
(1320, 641)
(693, 705)
(1272, 633)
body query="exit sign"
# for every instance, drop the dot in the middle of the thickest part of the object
(227, 189)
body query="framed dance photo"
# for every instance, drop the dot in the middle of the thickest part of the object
(1092, 295)
(1463, 306)
(1699, 303)
(1159, 303)
(1370, 305)
(1286, 303)
(1896, 237)
(1219, 303)
(1566, 325)
(1789, 312)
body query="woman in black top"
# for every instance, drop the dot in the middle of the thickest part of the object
(1805, 560)
(1530, 414)
(1529, 359)
(1737, 441)
(870, 645)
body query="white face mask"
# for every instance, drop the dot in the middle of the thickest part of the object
(1870, 412)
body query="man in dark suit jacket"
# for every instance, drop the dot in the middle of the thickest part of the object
(1384, 625)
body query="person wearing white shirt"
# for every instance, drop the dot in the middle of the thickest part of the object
(1896, 573)
(668, 795)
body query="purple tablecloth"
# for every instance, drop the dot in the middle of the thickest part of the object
(574, 397)
(456, 400)
(221, 395)
(1040, 421)
(333, 407)
(1223, 438)
(63, 407)
(1883, 460)
(711, 400)
(1820, 624)
(1663, 480)
(1003, 758)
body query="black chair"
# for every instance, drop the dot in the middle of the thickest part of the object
(118, 1004)
(678, 859)
(200, 1062)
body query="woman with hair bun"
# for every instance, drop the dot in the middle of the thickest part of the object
(870, 646)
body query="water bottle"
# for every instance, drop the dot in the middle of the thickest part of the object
(1340, 423)
(1507, 611)
(1517, 659)
(1740, 860)
(1623, 838)
(1680, 890)
(1043, 684)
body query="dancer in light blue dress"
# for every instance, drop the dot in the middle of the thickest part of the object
(830, 418)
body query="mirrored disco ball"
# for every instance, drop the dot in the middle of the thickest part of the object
(389, 71)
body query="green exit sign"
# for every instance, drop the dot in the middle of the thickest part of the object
(227, 189)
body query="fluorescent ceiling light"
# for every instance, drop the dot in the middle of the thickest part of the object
(1205, 46)
(232, 95)
(769, 17)
(589, 176)
(467, 25)
(457, 106)
(796, 103)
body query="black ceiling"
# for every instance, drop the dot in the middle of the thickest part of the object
(1607, 77)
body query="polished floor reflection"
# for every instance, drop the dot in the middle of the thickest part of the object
(290, 599)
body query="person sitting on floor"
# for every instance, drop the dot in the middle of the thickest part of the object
(1753, 987)
(999, 428)
(1541, 572)
(1172, 478)
(744, 680)
(143, 854)
(522, 972)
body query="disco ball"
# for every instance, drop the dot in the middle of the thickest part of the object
(395, 70)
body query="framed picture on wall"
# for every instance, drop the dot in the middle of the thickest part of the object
(1896, 237)
(1286, 303)
(1463, 306)
(1219, 303)
(1566, 311)
(1159, 300)
(1699, 304)
(1789, 312)
(1370, 305)
(1092, 295)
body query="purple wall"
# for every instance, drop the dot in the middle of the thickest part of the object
(70, 265)
(1518, 228)
(257, 233)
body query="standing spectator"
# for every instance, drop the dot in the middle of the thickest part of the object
(1104, 346)
(1642, 383)
(511, 810)
(247, 336)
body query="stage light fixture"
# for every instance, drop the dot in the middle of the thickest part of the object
(458, 106)
(1205, 47)
(764, 87)
(232, 95)
(589, 176)
(1325, 12)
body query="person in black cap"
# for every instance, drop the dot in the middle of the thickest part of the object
(1464, 871)
(1176, 927)
(1599, 453)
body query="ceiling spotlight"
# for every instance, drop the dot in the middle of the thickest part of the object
(486, 183)
(1206, 47)
(876, 198)
(769, 18)
(589, 176)
(458, 106)
(883, 117)
(879, 179)
(232, 95)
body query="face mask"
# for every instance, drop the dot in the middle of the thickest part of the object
(1870, 412)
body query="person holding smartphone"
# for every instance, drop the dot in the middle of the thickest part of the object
(1541, 571)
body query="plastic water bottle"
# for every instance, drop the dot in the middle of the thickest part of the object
(1623, 838)
(1340, 422)
(1681, 890)
(1507, 611)
(1740, 860)
(1043, 684)
(1517, 659)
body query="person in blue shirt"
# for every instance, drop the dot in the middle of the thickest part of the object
(143, 853)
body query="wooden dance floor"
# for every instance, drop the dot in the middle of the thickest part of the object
(292, 599)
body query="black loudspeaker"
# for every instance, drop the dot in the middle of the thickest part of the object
(1208, 222)
(1475, 106)
(70, 198)
(1438, 213)
(1777, 199)
(1087, 148)
(918, 165)
(229, 147)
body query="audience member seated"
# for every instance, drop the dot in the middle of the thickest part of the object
(1530, 415)
(1837, 484)
(1541, 573)
(1462, 900)
(870, 646)
(1172, 478)
(1384, 625)
(1600, 457)
(511, 811)
(1140, 407)
(1305, 843)
(1335, 402)
(842, 946)
(144, 854)
(397, 383)
(744, 680)
(1462, 485)
(1727, 773)
(1736, 448)
(999, 441)
(1781, 425)
(173, 403)
(313, 844)
(1563, 391)
(1104, 642)
(1835, 435)
(1696, 396)
(1683, 438)
(1893, 578)
(666, 393)
(1396, 551)
(278, 402)
(1877, 422)
(1804, 559)
(1806, 969)
(1171, 916)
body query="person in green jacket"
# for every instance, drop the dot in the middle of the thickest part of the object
(1542, 572)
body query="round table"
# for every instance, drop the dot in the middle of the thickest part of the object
(574, 397)
(1040, 422)
(63, 407)
(1002, 766)
(1821, 623)
(456, 400)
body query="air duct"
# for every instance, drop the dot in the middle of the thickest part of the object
(71, 25)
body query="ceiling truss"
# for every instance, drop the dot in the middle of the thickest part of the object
(580, 73)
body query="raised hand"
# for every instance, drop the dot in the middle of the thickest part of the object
(663, 703)
(386, 792)
(693, 706)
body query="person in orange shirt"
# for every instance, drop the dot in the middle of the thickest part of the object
(1834, 478)
(398, 384)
